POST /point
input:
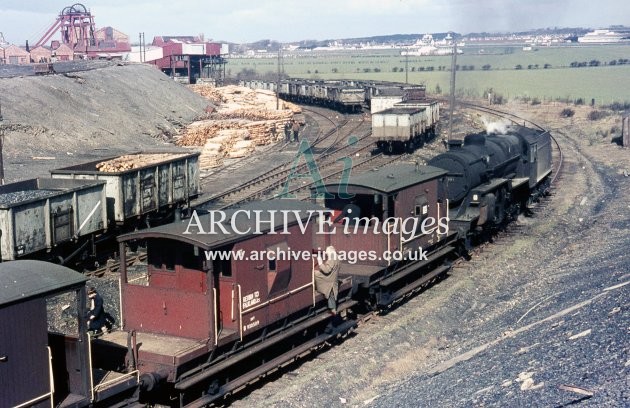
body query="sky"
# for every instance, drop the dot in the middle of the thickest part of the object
(287, 20)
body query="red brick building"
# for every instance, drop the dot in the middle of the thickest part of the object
(63, 53)
(12, 54)
(40, 54)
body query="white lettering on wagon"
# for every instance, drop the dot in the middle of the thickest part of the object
(251, 299)
(253, 322)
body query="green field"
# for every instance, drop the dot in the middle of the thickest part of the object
(605, 83)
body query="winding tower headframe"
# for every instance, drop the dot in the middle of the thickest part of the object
(76, 24)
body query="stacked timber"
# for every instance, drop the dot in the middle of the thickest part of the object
(209, 92)
(242, 148)
(265, 132)
(255, 114)
(260, 132)
(197, 133)
(134, 161)
(211, 155)
(244, 118)
(230, 143)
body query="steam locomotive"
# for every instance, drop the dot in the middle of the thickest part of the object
(197, 326)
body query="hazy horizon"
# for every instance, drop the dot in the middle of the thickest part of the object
(243, 21)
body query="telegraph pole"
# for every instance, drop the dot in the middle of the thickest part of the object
(278, 78)
(452, 96)
(407, 66)
(1, 146)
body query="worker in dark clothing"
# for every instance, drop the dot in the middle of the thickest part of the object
(287, 131)
(296, 130)
(97, 318)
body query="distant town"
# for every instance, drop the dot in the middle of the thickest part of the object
(70, 38)
(74, 35)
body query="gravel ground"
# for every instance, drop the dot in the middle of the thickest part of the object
(512, 325)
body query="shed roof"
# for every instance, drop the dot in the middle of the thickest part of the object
(22, 280)
(14, 50)
(389, 179)
(63, 49)
(243, 221)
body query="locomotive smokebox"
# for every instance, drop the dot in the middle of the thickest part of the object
(466, 166)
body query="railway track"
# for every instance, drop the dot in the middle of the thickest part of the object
(262, 185)
(504, 233)
(113, 265)
(266, 184)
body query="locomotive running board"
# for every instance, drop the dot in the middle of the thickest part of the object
(271, 365)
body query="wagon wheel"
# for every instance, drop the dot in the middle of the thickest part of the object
(410, 146)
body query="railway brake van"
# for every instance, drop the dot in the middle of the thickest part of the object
(409, 194)
(189, 313)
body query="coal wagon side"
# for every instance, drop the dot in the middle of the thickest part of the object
(397, 129)
(135, 194)
(45, 215)
(345, 98)
(43, 69)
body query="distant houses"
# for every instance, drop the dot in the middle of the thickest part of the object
(110, 44)
(12, 54)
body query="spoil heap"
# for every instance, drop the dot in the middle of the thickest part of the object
(244, 118)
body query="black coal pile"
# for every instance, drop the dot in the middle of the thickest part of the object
(62, 309)
(22, 196)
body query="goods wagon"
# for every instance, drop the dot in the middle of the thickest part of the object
(135, 193)
(399, 128)
(42, 214)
